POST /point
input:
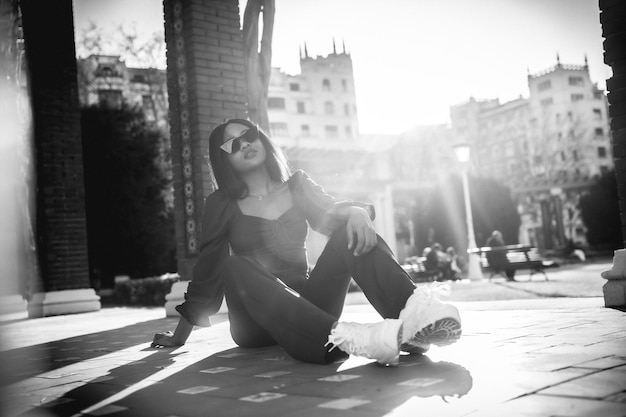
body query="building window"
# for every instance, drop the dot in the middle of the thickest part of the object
(329, 107)
(575, 155)
(577, 97)
(576, 81)
(344, 85)
(331, 131)
(597, 114)
(348, 132)
(301, 108)
(346, 109)
(294, 87)
(544, 85)
(546, 101)
(599, 132)
(104, 70)
(276, 103)
(112, 98)
(598, 95)
(279, 129)
(326, 84)
(604, 169)
(305, 130)
(601, 152)
(148, 107)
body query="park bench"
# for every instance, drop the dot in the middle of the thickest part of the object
(414, 266)
(517, 257)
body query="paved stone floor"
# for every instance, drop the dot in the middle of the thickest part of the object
(561, 357)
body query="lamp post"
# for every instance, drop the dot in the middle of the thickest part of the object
(474, 272)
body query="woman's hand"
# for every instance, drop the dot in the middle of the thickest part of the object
(165, 339)
(361, 233)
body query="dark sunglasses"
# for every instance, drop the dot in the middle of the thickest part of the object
(233, 145)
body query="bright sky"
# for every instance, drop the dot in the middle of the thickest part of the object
(413, 59)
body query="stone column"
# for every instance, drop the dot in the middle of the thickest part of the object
(612, 17)
(206, 84)
(60, 196)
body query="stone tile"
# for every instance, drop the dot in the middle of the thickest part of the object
(597, 385)
(548, 405)
(604, 363)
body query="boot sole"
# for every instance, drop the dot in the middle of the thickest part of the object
(443, 332)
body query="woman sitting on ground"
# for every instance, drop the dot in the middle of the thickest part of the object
(252, 253)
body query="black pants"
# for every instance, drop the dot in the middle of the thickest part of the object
(264, 311)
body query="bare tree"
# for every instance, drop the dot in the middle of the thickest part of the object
(258, 57)
(137, 51)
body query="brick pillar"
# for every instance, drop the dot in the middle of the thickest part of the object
(612, 18)
(206, 85)
(61, 228)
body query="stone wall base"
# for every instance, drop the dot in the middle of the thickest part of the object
(175, 297)
(10, 304)
(614, 293)
(615, 288)
(54, 303)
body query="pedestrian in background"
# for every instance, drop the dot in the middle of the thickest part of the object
(499, 259)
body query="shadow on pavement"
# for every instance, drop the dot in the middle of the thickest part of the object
(259, 382)
(27, 362)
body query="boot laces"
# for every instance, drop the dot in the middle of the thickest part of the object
(352, 338)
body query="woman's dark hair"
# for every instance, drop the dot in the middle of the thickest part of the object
(225, 176)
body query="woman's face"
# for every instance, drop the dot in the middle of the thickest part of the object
(247, 152)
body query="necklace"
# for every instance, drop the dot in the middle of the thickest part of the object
(260, 197)
(257, 196)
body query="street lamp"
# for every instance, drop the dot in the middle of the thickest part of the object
(474, 272)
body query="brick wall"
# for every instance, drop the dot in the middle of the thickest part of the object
(61, 229)
(206, 84)
(613, 20)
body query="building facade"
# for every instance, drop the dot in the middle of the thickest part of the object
(548, 149)
(106, 78)
(319, 104)
(313, 117)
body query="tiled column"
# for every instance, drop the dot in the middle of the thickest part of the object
(612, 18)
(60, 196)
(206, 85)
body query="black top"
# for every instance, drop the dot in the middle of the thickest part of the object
(277, 244)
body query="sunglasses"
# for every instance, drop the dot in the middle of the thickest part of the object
(233, 145)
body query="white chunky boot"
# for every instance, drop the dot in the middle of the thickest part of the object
(429, 321)
(380, 341)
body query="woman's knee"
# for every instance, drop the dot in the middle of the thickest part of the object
(339, 238)
(339, 242)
